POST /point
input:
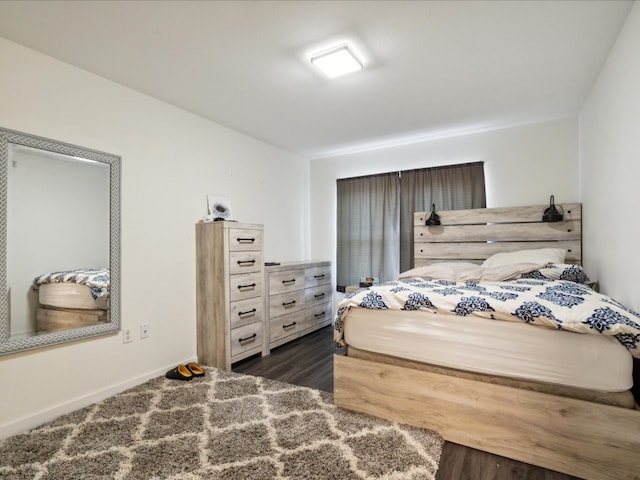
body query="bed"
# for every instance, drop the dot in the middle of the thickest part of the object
(72, 299)
(501, 374)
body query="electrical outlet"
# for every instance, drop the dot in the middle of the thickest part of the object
(145, 331)
(127, 335)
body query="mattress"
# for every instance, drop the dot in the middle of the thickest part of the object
(70, 295)
(508, 349)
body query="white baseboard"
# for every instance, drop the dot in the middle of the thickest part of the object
(29, 422)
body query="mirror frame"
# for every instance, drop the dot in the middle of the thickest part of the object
(7, 345)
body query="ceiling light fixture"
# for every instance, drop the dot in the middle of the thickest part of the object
(336, 61)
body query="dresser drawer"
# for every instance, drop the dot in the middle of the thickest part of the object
(246, 286)
(286, 326)
(317, 276)
(298, 323)
(245, 239)
(286, 281)
(245, 262)
(245, 338)
(318, 314)
(299, 299)
(317, 295)
(245, 312)
(286, 303)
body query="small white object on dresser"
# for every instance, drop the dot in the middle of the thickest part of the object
(298, 300)
(229, 292)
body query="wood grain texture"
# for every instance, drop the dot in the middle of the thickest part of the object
(210, 299)
(318, 295)
(579, 438)
(229, 287)
(480, 251)
(476, 234)
(55, 319)
(245, 262)
(623, 399)
(318, 275)
(308, 361)
(500, 232)
(247, 311)
(299, 300)
(458, 462)
(474, 216)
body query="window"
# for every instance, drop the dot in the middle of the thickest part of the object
(375, 216)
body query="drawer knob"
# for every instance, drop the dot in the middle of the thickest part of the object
(288, 304)
(245, 240)
(293, 324)
(252, 338)
(248, 312)
(318, 315)
(287, 282)
(319, 276)
(246, 262)
(319, 295)
(250, 285)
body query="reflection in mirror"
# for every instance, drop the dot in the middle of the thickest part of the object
(60, 239)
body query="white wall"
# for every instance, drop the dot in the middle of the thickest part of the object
(524, 165)
(170, 161)
(610, 169)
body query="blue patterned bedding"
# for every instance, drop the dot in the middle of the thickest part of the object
(97, 279)
(536, 299)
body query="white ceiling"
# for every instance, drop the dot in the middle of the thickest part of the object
(432, 68)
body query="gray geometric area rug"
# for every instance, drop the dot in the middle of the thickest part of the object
(222, 426)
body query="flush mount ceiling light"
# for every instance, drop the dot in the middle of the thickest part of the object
(336, 61)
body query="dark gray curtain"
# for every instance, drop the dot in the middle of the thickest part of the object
(454, 187)
(375, 216)
(368, 228)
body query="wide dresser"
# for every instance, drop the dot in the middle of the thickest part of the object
(298, 300)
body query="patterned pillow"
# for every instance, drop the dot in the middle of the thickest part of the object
(559, 271)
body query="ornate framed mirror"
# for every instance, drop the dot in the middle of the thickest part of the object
(59, 242)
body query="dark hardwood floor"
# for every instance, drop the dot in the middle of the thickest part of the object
(308, 361)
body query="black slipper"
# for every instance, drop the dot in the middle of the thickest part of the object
(179, 373)
(195, 369)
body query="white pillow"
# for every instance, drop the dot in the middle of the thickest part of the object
(540, 256)
(455, 271)
(470, 272)
(512, 271)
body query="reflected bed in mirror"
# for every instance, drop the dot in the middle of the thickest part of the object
(60, 242)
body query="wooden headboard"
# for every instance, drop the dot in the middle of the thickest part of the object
(476, 234)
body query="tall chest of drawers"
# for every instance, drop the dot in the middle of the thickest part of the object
(229, 292)
(298, 300)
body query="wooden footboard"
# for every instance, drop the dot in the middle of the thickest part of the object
(53, 319)
(575, 437)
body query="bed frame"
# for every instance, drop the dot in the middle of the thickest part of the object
(576, 437)
(54, 319)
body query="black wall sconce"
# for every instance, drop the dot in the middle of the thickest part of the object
(434, 218)
(551, 213)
